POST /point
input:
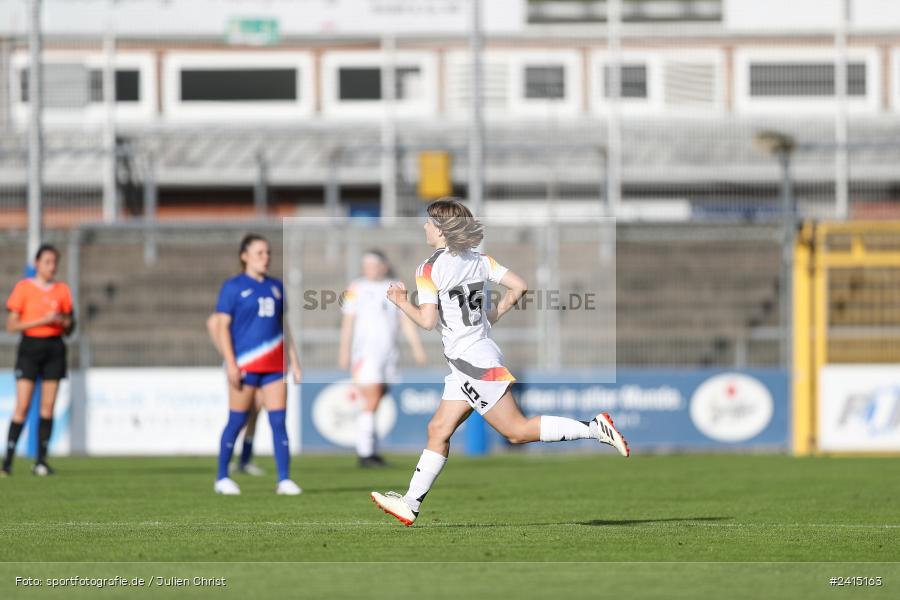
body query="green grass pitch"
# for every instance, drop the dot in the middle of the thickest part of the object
(523, 525)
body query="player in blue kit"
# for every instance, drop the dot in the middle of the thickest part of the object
(250, 334)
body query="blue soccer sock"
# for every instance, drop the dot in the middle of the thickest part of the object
(236, 421)
(246, 451)
(280, 444)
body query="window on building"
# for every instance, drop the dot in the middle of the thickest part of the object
(545, 82)
(803, 79)
(238, 85)
(128, 85)
(364, 83)
(633, 81)
(74, 86)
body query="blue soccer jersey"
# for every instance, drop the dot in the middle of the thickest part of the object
(257, 333)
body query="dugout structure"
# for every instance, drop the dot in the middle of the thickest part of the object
(846, 312)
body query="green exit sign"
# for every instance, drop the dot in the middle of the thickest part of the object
(252, 31)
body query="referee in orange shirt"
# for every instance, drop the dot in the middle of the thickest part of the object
(41, 309)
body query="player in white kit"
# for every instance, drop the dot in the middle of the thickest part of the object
(369, 346)
(450, 287)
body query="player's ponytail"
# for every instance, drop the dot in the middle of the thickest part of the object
(245, 245)
(461, 230)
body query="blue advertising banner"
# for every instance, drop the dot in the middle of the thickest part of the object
(59, 441)
(656, 410)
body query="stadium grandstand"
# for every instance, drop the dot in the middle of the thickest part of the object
(280, 117)
(698, 79)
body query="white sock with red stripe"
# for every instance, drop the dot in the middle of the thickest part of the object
(561, 429)
(365, 434)
(428, 469)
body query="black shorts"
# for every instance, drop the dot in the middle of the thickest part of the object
(41, 358)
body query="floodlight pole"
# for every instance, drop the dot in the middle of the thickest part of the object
(613, 118)
(788, 232)
(5, 117)
(388, 129)
(782, 146)
(110, 193)
(841, 135)
(35, 134)
(476, 117)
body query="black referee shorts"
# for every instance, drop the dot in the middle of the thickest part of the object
(41, 358)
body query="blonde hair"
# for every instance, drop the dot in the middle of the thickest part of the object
(461, 230)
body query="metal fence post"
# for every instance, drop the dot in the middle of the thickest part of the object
(333, 184)
(78, 381)
(261, 189)
(788, 222)
(151, 201)
(292, 240)
(554, 316)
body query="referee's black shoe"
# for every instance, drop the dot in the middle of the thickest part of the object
(42, 470)
(5, 471)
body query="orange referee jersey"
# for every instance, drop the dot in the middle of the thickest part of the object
(33, 301)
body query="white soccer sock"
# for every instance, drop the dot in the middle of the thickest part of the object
(428, 469)
(561, 429)
(365, 434)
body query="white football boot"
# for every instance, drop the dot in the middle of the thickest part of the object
(286, 487)
(393, 504)
(608, 434)
(227, 487)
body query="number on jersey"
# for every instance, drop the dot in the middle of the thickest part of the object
(470, 297)
(266, 307)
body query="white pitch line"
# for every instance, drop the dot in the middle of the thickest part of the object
(212, 524)
(474, 525)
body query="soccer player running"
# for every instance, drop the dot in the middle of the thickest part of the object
(369, 345)
(40, 308)
(251, 336)
(450, 292)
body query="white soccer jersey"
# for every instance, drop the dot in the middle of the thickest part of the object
(456, 285)
(375, 325)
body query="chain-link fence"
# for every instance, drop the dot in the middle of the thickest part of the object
(662, 295)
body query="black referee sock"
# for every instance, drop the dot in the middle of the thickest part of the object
(45, 428)
(15, 429)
